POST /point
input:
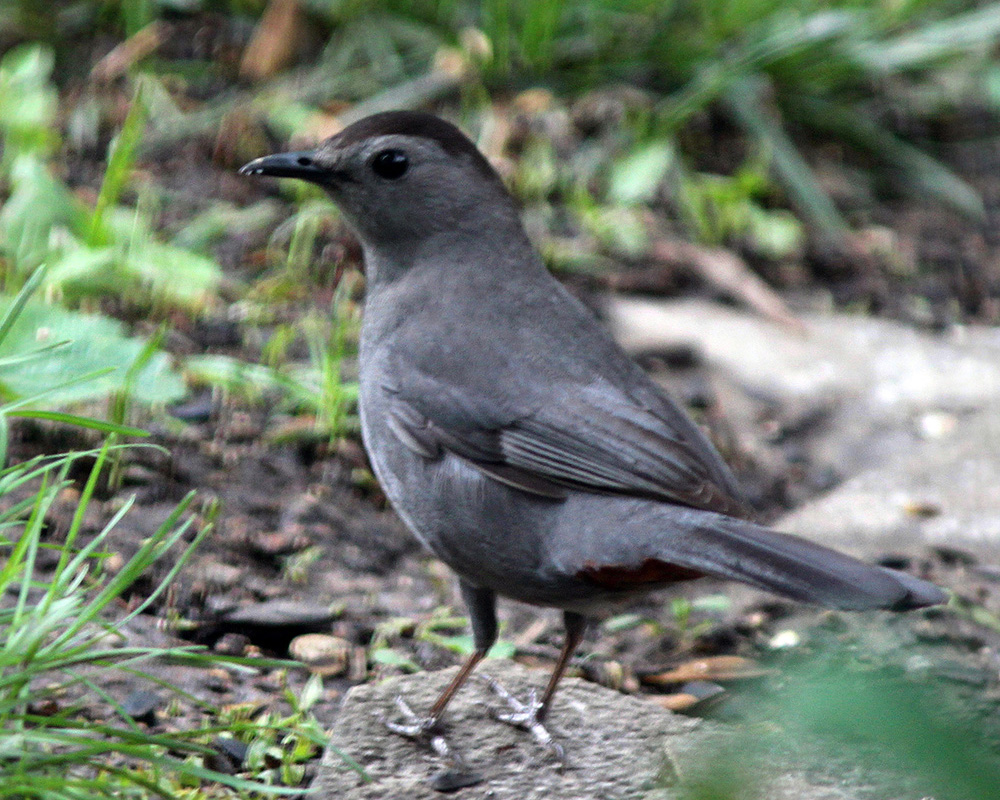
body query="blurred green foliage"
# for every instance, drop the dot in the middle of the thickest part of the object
(889, 733)
(772, 67)
(107, 249)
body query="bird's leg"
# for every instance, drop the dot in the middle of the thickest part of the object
(416, 726)
(530, 714)
(576, 626)
(482, 612)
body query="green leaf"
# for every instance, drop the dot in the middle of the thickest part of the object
(28, 102)
(712, 603)
(620, 228)
(464, 644)
(774, 234)
(38, 204)
(393, 658)
(232, 374)
(311, 693)
(219, 220)
(80, 270)
(172, 272)
(95, 344)
(636, 178)
(164, 271)
(622, 622)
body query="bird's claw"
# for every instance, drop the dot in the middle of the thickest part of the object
(424, 729)
(413, 726)
(525, 715)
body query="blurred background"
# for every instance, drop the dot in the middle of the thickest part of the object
(809, 190)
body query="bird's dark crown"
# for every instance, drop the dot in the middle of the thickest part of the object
(420, 124)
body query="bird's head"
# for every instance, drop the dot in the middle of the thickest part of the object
(400, 177)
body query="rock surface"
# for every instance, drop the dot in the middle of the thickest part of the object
(886, 365)
(617, 747)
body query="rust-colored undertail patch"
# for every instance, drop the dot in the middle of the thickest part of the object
(650, 571)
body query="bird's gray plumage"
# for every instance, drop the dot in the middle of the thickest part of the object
(517, 441)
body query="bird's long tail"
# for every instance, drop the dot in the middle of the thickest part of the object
(735, 549)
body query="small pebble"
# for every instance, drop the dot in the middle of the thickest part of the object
(232, 644)
(141, 706)
(451, 780)
(322, 654)
(785, 639)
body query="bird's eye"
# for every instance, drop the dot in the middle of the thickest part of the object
(390, 164)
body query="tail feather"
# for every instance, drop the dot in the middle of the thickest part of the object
(919, 593)
(734, 549)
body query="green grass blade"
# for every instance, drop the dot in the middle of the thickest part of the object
(959, 34)
(151, 549)
(22, 358)
(123, 397)
(745, 102)
(66, 576)
(81, 422)
(16, 307)
(119, 170)
(917, 169)
(81, 509)
(25, 556)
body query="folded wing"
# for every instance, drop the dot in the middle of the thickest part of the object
(596, 437)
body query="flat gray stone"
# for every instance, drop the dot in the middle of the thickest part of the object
(839, 356)
(624, 760)
(617, 747)
(280, 612)
(940, 492)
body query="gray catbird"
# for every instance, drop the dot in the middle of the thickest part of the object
(512, 435)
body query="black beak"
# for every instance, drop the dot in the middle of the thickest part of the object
(301, 165)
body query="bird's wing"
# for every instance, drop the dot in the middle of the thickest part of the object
(593, 437)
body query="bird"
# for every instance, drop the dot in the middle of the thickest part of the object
(510, 432)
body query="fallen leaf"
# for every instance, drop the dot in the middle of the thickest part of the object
(714, 668)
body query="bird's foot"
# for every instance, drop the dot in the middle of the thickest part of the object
(425, 730)
(526, 716)
(413, 725)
